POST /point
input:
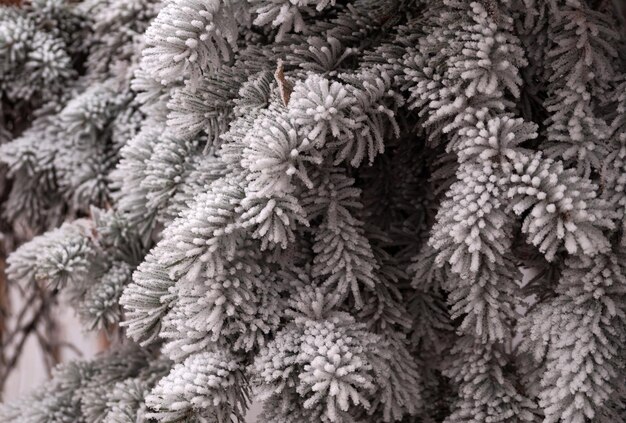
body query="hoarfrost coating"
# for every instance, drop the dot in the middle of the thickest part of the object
(324, 207)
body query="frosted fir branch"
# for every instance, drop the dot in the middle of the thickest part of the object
(196, 243)
(286, 15)
(200, 172)
(614, 183)
(165, 172)
(100, 308)
(68, 257)
(341, 239)
(384, 307)
(484, 390)
(85, 128)
(116, 32)
(288, 369)
(322, 107)
(273, 219)
(489, 58)
(564, 208)
(188, 37)
(184, 255)
(352, 119)
(224, 310)
(46, 62)
(425, 274)
(582, 53)
(496, 140)
(472, 231)
(472, 235)
(126, 401)
(333, 197)
(399, 382)
(288, 408)
(38, 60)
(344, 260)
(255, 93)
(325, 56)
(471, 225)
(75, 260)
(89, 113)
(276, 153)
(487, 302)
(205, 105)
(112, 231)
(146, 300)
(210, 385)
(375, 118)
(31, 166)
(332, 380)
(129, 175)
(17, 31)
(576, 134)
(427, 304)
(151, 94)
(569, 332)
(485, 60)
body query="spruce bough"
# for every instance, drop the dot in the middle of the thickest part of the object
(366, 211)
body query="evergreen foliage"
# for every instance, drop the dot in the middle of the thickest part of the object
(341, 211)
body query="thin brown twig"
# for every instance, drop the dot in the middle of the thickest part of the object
(41, 315)
(12, 361)
(4, 303)
(28, 305)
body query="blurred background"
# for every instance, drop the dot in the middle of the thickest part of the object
(34, 362)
